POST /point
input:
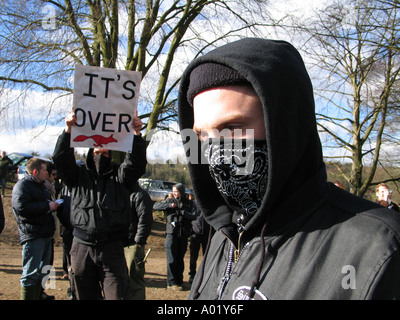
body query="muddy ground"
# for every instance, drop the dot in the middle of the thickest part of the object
(10, 263)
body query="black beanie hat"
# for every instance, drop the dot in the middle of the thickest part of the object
(181, 188)
(209, 75)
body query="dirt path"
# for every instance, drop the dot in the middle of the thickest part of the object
(10, 263)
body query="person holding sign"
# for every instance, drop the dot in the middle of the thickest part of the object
(100, 213)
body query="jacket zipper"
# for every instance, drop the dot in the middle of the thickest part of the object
(240, 225)
(234, 254)
(237, 250)
(227, 275)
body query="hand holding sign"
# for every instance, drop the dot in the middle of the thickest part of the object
(137, 124)
(104, 102)
(70, 121)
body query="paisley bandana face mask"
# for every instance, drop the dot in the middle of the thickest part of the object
(239, 168)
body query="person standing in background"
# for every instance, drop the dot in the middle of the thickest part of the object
(5, 161)
(198, 239)
(2, 218)
(32, 208)
(134, 250)
(180, 212)
(382, 192)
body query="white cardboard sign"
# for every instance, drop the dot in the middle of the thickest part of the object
(105, 102)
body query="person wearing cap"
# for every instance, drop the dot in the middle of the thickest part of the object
(251, 104)
(180, 212)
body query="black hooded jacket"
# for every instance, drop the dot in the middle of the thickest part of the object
(100, 205)
(309, 239)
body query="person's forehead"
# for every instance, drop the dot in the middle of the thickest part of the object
(382, 189)
(232, 106)
(98, 150)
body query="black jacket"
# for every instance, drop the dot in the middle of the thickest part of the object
(142, 216)
(309, 239)
(30, 203)
(2, 219)
(179, 218)
(100, 206)
(199, 225)
(64, 210)
(4, 163)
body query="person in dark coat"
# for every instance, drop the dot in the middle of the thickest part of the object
(5, 162)
(2, 218)
(63, 214)
(32, 208)
(180, 212)
(250, 104)
(198, 239)
(100, 213)
(135, 248)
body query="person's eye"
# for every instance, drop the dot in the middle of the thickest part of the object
(201, 135)
(233, 130)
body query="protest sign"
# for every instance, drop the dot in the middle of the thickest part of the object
(105, 102)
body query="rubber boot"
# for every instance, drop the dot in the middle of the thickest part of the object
(30, 293)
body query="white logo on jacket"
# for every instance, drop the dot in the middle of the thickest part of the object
(243, 293)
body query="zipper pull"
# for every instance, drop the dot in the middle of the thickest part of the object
(239, 223)
(222, 285)
(236, 255)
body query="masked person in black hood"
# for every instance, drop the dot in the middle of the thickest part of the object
(100, 213)
(257, 158)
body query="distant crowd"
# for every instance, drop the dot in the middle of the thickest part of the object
(42, 207)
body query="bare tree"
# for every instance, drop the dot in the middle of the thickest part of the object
(354, 48)
(41, 41)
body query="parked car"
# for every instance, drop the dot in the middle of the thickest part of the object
(17, 170)
(18, 159)
(21, 170)
(157, 189)
(189, 191)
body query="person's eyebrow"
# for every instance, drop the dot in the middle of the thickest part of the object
(225, 121)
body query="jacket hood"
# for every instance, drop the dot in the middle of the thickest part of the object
(90, 162)
(277, 73)
(182, 190)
